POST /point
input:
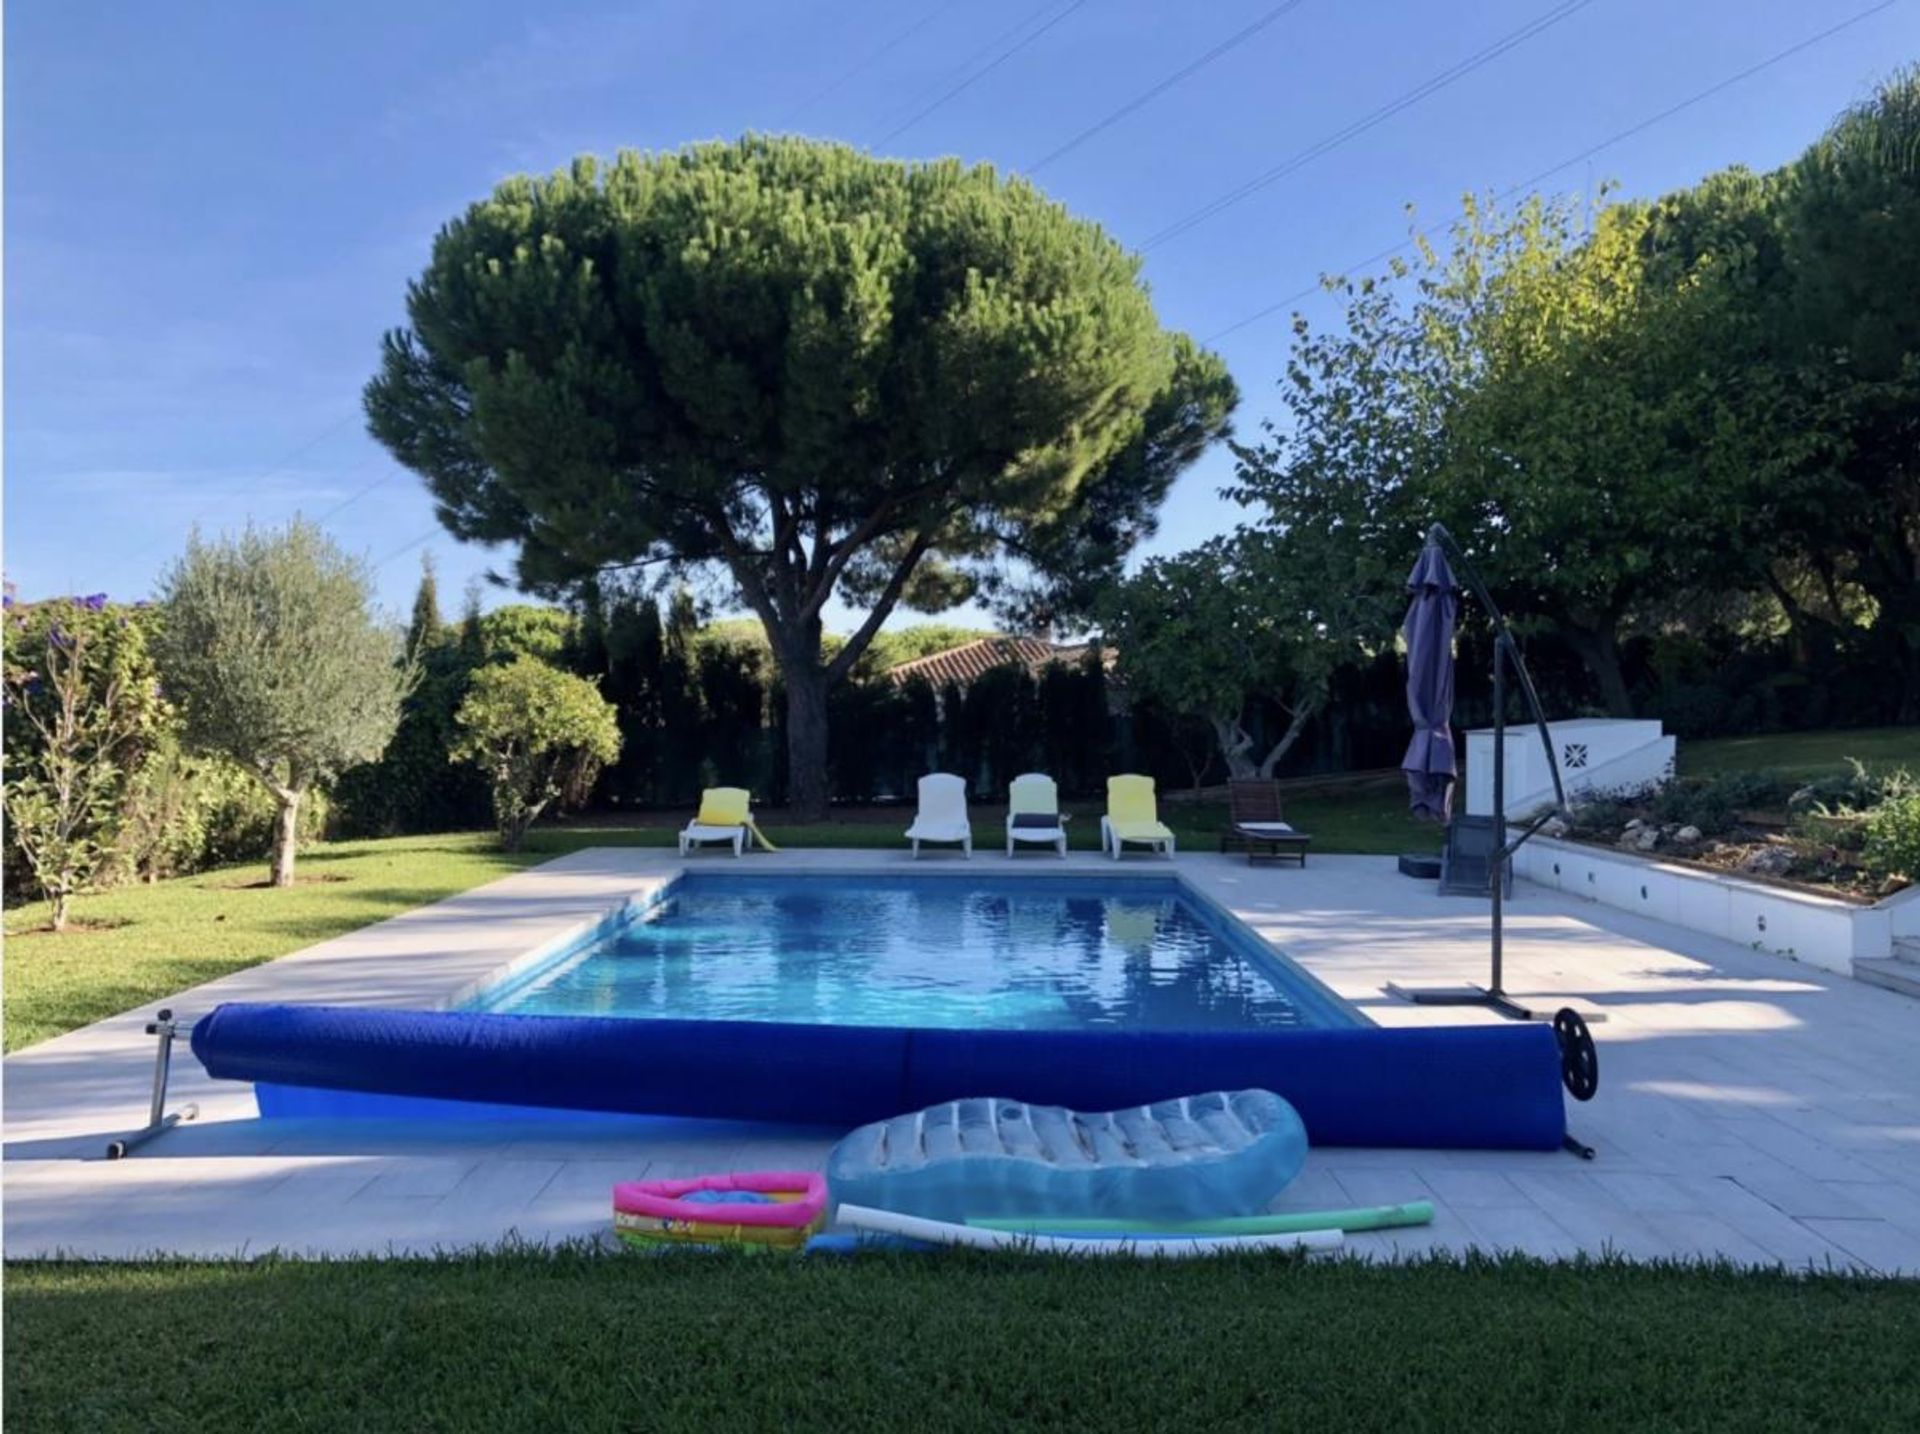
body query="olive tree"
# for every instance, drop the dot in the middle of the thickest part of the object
(538, 734)
(273, 652)
(812, 372)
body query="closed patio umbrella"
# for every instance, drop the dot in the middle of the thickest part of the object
(1429, 762)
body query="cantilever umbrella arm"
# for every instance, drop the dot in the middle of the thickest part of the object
(1506, 654)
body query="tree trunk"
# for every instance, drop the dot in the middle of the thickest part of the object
(807, 741)
(286, 836)
(1599, 650)
(1301, 715)
(1235, 744)
(62, 900)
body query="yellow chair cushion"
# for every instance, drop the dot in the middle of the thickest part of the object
(724, 807)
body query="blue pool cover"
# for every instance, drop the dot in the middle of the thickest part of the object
(1462, 1087)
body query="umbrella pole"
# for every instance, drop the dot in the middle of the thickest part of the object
(1494, 996)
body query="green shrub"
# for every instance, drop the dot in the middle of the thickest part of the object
(539, 735)
(183, 814)
(1714, 803)
(1892, 846)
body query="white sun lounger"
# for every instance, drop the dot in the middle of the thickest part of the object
(1033, 813)
(943, 813)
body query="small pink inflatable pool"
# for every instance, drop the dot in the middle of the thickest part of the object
(758, 1209)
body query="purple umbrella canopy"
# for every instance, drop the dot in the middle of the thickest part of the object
(1429, 763)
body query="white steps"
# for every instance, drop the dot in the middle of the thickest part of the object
(1898, 972)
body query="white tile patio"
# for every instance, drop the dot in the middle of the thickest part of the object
(1749, 1107)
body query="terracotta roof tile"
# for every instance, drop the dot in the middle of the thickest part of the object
(960, 666)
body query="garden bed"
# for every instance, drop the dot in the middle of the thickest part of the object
(1845, 838)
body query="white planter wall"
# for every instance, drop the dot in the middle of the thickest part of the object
(1597, 754)
(1818, 930)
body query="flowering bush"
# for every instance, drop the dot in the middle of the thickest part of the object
(82, 713)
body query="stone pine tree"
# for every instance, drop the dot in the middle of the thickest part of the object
(272, 651)
(820, 374)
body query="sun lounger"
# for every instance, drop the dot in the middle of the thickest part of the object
(1033, 813)
(1255, 823)
(1133, 816)
(725, 815)
(943, 813)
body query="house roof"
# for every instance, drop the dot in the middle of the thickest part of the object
(963, 665)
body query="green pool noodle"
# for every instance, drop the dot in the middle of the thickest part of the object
(1366, 1217)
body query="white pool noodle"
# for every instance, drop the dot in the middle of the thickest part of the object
(941, 1232)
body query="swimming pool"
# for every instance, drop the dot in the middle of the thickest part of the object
(944, 952)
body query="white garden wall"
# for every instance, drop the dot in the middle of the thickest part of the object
(1818, 930)
(1596, 755)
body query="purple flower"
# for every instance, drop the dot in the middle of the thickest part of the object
(94, 602)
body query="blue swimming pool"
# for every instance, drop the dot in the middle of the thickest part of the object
(1029, 953)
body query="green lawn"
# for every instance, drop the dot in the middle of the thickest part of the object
(579, 1341)
(140, 943)
(1804, 754)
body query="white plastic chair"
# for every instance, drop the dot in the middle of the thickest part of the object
(943, 813)
(1033, 795)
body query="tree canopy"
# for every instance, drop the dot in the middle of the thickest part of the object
(273, 653)
(816, 372)
(1640, 412)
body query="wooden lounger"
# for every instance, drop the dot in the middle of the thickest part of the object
(1255, 825)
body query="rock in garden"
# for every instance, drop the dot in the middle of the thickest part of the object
(1635, 824)
(1647, 838)
(1687, 836)
(1554, 827)
(1768, 861)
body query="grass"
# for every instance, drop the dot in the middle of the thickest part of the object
(531, 1340)
(145, 942)
(1804, 754)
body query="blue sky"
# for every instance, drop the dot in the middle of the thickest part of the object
(212, 210)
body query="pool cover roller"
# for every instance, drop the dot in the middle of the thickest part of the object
(1449, 1087)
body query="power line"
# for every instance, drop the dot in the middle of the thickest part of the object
(250, 485)
(407, 547)
(1147, 96)
(346, 503)
(1666, 114)
(971, 60)
(871, 58)
(983, 71)
(1425, 90)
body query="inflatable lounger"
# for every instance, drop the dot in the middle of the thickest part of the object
(1226, 1153)
(1458, 1087)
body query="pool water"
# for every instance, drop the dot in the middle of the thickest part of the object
(1022, 952)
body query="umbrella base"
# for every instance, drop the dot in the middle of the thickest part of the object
(1494, 1000)
(1470, 996)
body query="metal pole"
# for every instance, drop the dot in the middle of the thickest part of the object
(1496, 862)
(158, 1121)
